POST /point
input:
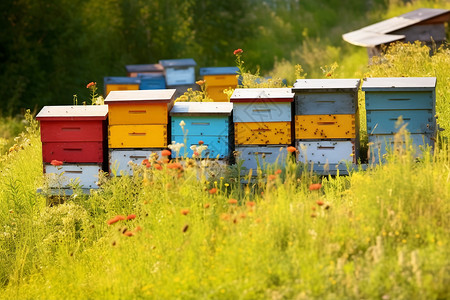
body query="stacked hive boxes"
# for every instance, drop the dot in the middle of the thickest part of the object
(179, 74)
(262, 124)
(120, 84)
(387, 99)
(208, 122)
(147, 69)
(327, 122)
(76, 136)
(218, 79)
(138, 125)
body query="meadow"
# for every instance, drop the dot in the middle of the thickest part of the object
(190, 232)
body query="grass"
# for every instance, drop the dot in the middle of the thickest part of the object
(381, 233)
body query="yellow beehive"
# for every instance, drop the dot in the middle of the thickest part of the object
(120, 84)
(137, 136)
(216, 93)
(217, 79)
(325, 126)
(138, 113)
(255, 133)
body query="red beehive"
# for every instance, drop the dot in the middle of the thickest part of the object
(74, 134)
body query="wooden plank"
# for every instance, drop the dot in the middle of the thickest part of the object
(315, 103)
(119, 159)
(262, 95)
(221, 80)
(399, 100)
(200, 125)
(150, 96)
(385, 121)
(262, 156)
(326, 85)
(325, 126)
(262, 112)
(180, 75)
(77, 112)
(269, 133)
(73, 152)
(326, 152)
(201, 108)
(216, 93)
(72, 131)
(137, 136)
(61, 176)
(135, 113)
(399, 84)
(218, 146)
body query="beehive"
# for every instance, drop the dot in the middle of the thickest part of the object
(262, 120)
(120, 84)
(152, 81)
(218, 79)
(392, 99)
(179, 71)
(327, 121)
(77, 136)
(144, 69)
(208, 122)
(138, 121)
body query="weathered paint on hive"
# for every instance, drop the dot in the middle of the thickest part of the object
(270, 133)
(85, 174)
(325, 127)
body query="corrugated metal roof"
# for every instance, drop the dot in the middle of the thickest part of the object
(325, 84)
(192, 108)
(141, 96)
(77, 111)
(398, 83)
(219, 71)
(182, 62)
(378, 33)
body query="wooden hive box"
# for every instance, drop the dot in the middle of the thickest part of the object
(254, 157)
(218, 79)
(152, 81)
(147, 69)
(262, 116)
(139, 119)
(77, 136)
(208, 122)
(179, 71)
(120, 84)
(387, 99)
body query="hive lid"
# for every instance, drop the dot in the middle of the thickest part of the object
(141, 96)
(183, 62)
(77, 112)
(219, 71)
(308, 85)
(144, 68)
(399, 83)
(121, 80)
(262, 95)
(201, 108)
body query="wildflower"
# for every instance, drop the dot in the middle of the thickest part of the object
(232, 201)
(206, 205)
(185, 227)
(250, 203)
(182, 124)
(195, 154)
(314, 186)
(185, 212)
(138, 228)
(158, 167)
(131, 217)
(174, 166)
(200, 82)
(145, 161)
(175, 146)
(226, 184)
(115, 220)
(213, 191)
(238, 51)
(313, 208)
(242, 216)
(225, 217)
(272, 177)
(165, 153)
(91, 84)
(148, 165)
(291, 149)
(328, 74)
(128, 233)
(278, 171)
(56, 163)
(201, 142)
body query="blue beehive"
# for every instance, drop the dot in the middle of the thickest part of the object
(179, 71)
(387, 99)
(208, 122)
(152, 81)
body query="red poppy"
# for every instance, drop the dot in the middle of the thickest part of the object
(278, 171)
(315, 186)
(291, 149)
(158, 167)
(212, 191)
(272, 177)
(320, 203)
(56, 163)
(206, 205)
(232, 201)
(165, 153)
(184, 211)
(251, 203)
(91, 84)
(115, 220)
(200, 82)
(148, 165)
(128, 233)
(131, 217)
(238, 51)
(201, 142)
(138, 228)
(145, 161)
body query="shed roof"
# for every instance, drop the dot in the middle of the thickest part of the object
(201, 108)
(399, 83)
(142, 96)
(378, 33)
(67, 112)
(262, 95)
(303, 85)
